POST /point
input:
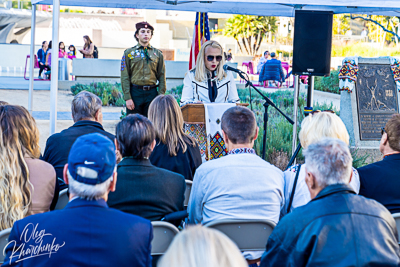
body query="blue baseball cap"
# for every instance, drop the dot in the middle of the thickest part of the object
(92, 159)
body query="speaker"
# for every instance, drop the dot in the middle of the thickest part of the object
(312, 42)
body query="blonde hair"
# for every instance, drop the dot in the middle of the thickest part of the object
(321, 125)
(201, 71)
(200, 246)
(167, 119)
(19, 137)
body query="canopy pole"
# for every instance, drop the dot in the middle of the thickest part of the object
(32, 59)
(54, 67)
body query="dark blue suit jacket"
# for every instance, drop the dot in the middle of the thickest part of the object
(381, 182)
(84, 233)
(272, 70)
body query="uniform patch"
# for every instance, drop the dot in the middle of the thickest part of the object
(123, 64)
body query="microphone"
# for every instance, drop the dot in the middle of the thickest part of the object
(226, 67)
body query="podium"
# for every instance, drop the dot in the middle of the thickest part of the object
(194, 117)
(194, 113)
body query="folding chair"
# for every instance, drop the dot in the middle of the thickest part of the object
(187, 192)
(3, 242)
(35, 66)
(248, 235)
(63, 199)
(396, 217)
(163, 233)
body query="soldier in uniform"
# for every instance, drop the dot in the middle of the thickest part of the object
(142, 66)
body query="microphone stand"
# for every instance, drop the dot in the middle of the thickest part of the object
(266, 104)
(307, 111)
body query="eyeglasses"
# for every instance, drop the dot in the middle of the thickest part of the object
(383, 130)
(211, 58)
(318, 111)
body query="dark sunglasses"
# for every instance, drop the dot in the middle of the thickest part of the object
(318, 111)
(383, 130)
(211, 58)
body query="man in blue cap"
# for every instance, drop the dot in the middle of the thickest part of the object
(86, 232)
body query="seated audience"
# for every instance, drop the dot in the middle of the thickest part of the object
(142, 188)
(174, 150)
(262, 61)
(86, 232)
(27, 184)
(380, 180)
(239, 185)
(272, 70)
(87, 116)
(338, 227)
(314, 127)
(200, 246)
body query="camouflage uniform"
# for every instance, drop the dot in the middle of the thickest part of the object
(140, 71)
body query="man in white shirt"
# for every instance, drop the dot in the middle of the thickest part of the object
(239, 185)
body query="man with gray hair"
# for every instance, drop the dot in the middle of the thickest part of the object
(86, 232)
(88, 118)
(338, 227)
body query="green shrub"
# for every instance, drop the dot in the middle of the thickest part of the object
(328, 84)
(110, 94)
(363, 50)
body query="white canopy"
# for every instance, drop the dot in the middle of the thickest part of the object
(248, 7)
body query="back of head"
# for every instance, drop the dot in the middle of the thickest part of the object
(330, 161)
(320, 125)
(135, 135)
(239, 124)
(19, 138)
(392, 129)
(201, 71)
(91, 165)
(200, 246)
(273, 54)
(167, 119)
(85, 106)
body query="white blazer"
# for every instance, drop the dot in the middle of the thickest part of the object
(194, 91)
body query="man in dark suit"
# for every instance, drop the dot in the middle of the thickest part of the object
(86, 232)
(87, 116)
(381, 180)
(142, 188)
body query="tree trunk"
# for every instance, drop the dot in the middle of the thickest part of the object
(240, 47)
(255, 43)
(259, 42)
(244, 44)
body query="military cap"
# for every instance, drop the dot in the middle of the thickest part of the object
(144, 24)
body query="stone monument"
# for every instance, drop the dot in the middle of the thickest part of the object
(367, 108)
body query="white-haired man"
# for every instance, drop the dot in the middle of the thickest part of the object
(86, 232)
(338, 227)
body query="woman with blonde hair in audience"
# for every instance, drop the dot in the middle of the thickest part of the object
(27, 184)
(174, 150)
(317, 125)
(199, 246)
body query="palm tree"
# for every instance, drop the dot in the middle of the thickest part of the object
(249, 31)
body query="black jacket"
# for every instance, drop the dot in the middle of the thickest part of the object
(381, 182)
(147, 191)
(337, 228)
(58, 145)
(183, 163)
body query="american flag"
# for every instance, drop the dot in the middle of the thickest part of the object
(201, 34)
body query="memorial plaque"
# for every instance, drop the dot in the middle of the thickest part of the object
(376, 99)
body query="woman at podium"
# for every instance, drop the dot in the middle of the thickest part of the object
(208, 82)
